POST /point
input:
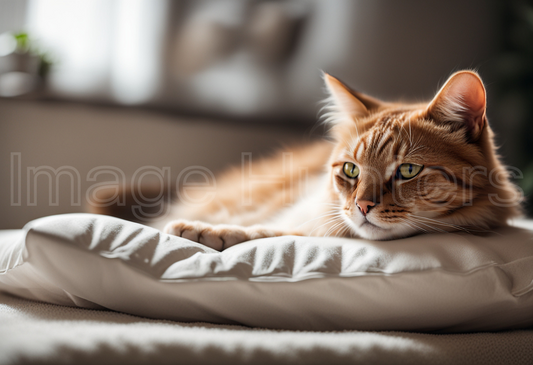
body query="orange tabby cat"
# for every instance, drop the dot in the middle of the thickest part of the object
(392, 170)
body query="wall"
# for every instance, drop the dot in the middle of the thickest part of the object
(84, 137)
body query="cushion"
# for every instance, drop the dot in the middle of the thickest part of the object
(433, 282)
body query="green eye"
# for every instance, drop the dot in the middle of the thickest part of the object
(350, 170)
(408, 170)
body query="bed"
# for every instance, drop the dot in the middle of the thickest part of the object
(36, 332)
(82, 288)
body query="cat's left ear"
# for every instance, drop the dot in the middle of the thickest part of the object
(463, 100)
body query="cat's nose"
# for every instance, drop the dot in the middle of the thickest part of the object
(364, 205)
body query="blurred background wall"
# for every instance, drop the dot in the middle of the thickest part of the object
(130, 83)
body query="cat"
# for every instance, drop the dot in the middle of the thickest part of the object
(387, 171)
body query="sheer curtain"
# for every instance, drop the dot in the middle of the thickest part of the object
(215, 57)
(256, 58)
(104, 49)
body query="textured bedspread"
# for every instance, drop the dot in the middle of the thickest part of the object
(33, 332)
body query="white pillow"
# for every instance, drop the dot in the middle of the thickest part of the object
(445, 282)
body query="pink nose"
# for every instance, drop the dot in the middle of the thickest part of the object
(364, 205)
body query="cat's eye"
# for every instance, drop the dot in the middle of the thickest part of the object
(408, 170)
(351, 170)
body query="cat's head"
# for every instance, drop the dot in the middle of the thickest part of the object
(399, 169)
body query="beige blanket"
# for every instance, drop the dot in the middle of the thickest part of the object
(34, 332)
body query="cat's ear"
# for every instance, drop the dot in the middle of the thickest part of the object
(342, 98)
(347, 101)
(462, 99)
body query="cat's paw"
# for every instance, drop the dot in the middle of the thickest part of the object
(218, 237)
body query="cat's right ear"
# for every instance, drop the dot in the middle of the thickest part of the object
(342, 100)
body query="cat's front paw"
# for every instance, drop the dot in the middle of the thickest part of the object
(218, 237)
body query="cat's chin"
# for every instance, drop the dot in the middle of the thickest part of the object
(370, 230)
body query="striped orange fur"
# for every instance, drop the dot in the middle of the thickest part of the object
(461, 183)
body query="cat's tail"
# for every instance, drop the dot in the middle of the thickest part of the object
(142, 204)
